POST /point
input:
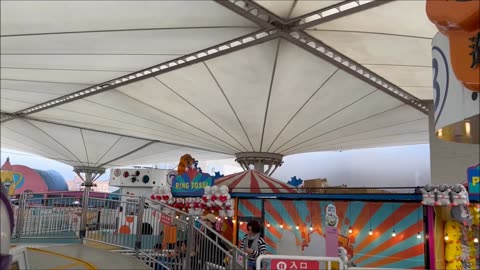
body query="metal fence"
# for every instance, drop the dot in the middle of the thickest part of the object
(161, 236)
(38, 216)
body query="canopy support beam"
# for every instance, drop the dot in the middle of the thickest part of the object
(259, 160)
(230, 46)
(292, 31)
(332, 12)
(88, 175)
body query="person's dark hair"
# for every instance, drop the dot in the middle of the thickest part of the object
(254, 225)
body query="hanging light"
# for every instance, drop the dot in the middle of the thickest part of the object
(475, 240)
(419, 235)
(446, 237)
(311, 227)
(234, 221)
(393, 221)
(370, 220)
(350, 230)
(281, 225)
(241, 222)
(225, 218)
(177, 217)
(187, 218)
(268, 225)
(298, 227)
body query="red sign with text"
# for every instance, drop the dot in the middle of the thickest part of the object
(166, 219)
(294, 264)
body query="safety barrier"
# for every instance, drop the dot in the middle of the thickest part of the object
(284, 262)
(162, 236)
(42, 217)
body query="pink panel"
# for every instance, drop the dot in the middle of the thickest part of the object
(32, 180)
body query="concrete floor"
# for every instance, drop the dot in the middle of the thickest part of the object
(78, 256)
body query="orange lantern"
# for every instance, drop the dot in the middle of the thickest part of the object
(459, 21)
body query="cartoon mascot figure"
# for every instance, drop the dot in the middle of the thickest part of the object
(186, 161)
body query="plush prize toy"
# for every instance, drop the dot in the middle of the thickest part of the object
(229, 208)
(206, 197)
(214, 198)
(459, 195)
(475, 212)
(428, 195)
(155, 191)
(190, 206)
(198, 206)
(224, 195)
(443, 195)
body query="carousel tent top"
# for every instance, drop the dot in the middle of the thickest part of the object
(224, 77)
(252, 181)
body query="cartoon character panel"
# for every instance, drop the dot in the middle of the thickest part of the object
(18, 179)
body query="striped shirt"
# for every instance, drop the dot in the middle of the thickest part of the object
(262, 248)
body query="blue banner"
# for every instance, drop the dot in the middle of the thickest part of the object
(473, 174)
(191, 183)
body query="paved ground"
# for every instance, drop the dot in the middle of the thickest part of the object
(78, 256)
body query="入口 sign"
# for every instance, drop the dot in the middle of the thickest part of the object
(294, 264)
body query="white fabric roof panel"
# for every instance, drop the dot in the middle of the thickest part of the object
(288, 9)
(133, 123)
(75, 42)
(81, 147)
(18, 95)
(221, 105)
(270, 97)
(67, 16)
(393, 38)
(159, 152)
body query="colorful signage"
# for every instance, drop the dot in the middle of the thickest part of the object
(191, 183)
(473, 174)
(166, 219)
(293, 264)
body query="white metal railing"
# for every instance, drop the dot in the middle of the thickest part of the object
(286, 262)
(136, 225)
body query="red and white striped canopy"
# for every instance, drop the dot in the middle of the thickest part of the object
(252, 181)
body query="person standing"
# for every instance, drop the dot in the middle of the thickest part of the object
(253, 244)
(213, 253)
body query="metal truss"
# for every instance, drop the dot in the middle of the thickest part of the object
(332, 12)
(327, 53)
(292, 32)
(273, 27)
(183, 61)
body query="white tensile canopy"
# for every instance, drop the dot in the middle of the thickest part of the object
(115, 83)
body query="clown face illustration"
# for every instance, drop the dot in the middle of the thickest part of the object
(331, 215)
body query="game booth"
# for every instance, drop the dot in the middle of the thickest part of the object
(375, 230)
(366, 230)
(455, 223)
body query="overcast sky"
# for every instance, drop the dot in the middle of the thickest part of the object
(396, 166)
